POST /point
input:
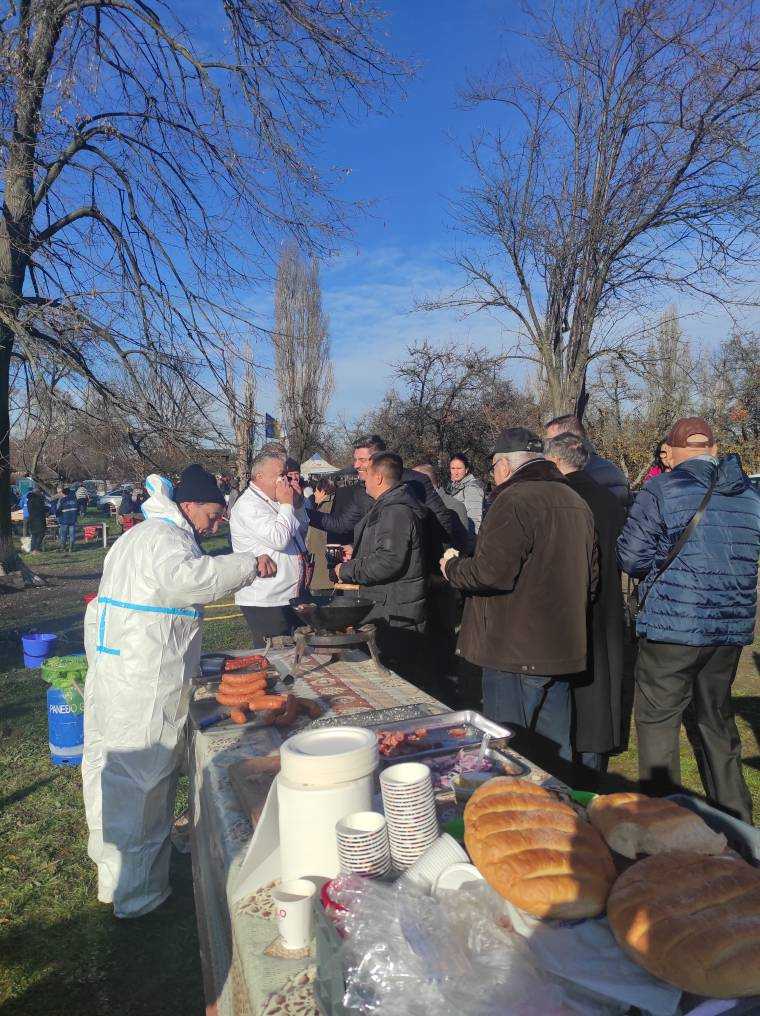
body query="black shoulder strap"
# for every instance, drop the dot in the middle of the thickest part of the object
(683, 538)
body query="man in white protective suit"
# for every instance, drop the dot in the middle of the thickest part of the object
(143, 643)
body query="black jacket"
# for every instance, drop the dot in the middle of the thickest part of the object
(598, 693)
(390, 560)
(35, 503)
(530, 579)
(356, 507)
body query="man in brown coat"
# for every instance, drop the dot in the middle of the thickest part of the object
(529, 583)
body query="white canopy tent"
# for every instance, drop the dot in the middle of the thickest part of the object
(317, 466)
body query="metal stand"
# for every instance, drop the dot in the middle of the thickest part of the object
(307, 638)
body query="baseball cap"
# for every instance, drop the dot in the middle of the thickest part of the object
(690, 427)
(517, 439)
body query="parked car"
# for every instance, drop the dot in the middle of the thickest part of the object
(113, 497)
(95, 488)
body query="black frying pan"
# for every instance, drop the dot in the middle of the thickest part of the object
(327, 610)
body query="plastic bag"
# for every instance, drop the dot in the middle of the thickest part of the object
(411, 955)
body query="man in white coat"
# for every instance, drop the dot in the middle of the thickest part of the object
(143, 643)
(269, 518)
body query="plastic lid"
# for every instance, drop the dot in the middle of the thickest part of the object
(457, 875)
(329, 755)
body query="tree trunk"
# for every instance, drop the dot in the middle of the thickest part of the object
(6, 342)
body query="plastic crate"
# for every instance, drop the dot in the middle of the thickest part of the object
(743, 838)
(329, 985)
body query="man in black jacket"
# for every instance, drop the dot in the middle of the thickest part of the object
(35, 504)
(604, 472)
(597, 694)
(389, 562)
(344, 520)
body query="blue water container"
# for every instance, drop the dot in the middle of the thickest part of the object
(65, 731)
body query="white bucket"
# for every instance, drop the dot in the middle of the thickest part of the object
(307, 820)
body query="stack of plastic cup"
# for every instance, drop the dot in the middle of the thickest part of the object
(363, 847)
(409, 806)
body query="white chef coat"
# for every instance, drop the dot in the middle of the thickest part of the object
(263, 526)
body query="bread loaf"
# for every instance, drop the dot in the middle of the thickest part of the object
(634, 824)
(691, 920)
(535, 851)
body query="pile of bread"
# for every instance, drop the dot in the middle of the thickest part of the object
(688, 913)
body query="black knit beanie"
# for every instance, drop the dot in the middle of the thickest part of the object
(195, 484)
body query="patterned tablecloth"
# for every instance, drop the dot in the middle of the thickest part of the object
(244, 971)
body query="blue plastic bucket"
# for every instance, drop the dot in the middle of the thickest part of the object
(37, 647)
(65, 730)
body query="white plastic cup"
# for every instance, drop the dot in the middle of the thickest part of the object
(293, 901)
(438, 857)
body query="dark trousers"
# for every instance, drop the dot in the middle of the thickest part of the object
(269, 621)
(538, 705)
(37, 538)
(669, 678)
(403, 650)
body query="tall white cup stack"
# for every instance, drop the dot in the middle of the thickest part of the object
(409, 806)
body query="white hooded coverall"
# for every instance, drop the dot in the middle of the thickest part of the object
(143, 643)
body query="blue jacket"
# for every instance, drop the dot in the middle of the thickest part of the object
(67, 510)
(708, 595)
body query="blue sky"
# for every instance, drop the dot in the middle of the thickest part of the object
(407, 164)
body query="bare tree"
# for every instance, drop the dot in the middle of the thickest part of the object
(628, 164)
(147, 162)
(448, 399)
(239, 392)
(301, 352)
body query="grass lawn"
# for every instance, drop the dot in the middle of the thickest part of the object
(60, 951)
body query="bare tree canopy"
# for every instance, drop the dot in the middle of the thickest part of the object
(145, 161)
(449, 398)
(301, 353)
(627, 165)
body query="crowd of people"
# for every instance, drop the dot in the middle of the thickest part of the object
(520, 581)
(514, 588)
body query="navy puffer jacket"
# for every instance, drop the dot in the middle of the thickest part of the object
(708, 595)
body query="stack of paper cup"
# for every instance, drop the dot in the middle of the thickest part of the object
(409, 806)
(437, 858)
(363, 847)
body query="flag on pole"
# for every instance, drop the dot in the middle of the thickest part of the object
(271, 428)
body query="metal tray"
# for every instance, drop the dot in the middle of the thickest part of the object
(481, 730)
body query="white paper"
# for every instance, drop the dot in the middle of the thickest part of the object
(587, 954)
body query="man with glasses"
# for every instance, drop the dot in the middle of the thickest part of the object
(528, 584)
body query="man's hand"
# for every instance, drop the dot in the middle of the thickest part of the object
(320, 496)
(337, 572)
(283, 491)
(266, 566)
(447, 556)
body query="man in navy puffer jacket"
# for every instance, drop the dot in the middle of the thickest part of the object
(698, 613)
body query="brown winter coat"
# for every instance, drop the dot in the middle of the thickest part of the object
(531, 577)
